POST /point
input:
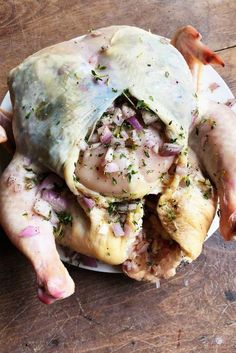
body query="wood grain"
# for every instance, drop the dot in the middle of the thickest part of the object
(195, 312)
(110, 313)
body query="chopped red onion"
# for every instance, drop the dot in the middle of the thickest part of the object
(29, 231)
(88, 261)
(111, 168)
(169, 149)
(88, 202)
(50, 181)
(123, 163)
(149, 117)
(94, 138)
(95, 145)
(117, 117)
(127, 230)
(109, 155)
(57, 201)
(26, 162)
(42, 208)
(54, 219)
(128, 265)
(213, 86)
(124, 135)
(230, 102)
(127, 111)
(135, 123)
(117, 229)
(106, 135)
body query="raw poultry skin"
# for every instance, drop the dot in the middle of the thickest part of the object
(67, 99)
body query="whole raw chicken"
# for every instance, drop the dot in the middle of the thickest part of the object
(117, 156)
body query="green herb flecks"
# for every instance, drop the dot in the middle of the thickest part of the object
(187, 181)
(142, 105)
(127, 95)
(30, 183)
(101, 67)
(58, 231)
(111, 208)
(65, 218)
(114, 181)
(96, 76)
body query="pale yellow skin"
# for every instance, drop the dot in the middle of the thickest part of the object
(55, 146)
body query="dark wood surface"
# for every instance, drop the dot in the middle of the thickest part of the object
(195, 312)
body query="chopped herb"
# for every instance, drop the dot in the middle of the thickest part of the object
(43, 110)
(30, 183)
(151, 98)
(64, 218)
(114, 181)
(96, 76)
(187, 181)
(130, 174)
(170, 214)
(181, 135)
(25, 214)
(127, 96)
(162, 177)
(149, 65)
(143, 163)
(122, 155)
(58, 231)
(146, 154)
(114, 90)
(207, 194)
(129, 177)
(213, 125)
(173, 140)
(167, 74)
(111, 208)
(170, 122)
(100, 154)
(27, 115)
(142, 105)
(101, 67)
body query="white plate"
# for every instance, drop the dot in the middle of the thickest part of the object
(220, 94)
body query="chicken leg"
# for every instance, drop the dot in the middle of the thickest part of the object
(32, 234)
(212, 136)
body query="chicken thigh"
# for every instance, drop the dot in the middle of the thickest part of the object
(212, 136)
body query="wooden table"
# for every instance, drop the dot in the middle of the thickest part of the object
(194, 312)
